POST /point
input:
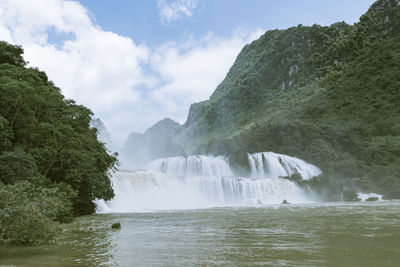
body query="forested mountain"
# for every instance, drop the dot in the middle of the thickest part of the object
(51, 164)
(155, 143)
(329, 95)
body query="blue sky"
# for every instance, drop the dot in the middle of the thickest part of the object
(140, 19)
(136, 62)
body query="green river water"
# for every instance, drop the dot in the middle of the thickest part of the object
(325, 234)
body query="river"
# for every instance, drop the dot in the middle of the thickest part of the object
(319, 234)
(195, 211)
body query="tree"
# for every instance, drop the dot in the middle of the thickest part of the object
(46, 136)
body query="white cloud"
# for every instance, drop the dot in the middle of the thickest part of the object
(191, 71)
(187, 72)
(104, 70)
(176, 10)
(93, 62)
(97, 68)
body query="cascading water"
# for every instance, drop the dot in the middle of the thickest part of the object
(203, 182)
(272, 165)
(148, 190)
(193, 166)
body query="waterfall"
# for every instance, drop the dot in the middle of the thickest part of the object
(149, 191)
(205, 181)
(193, 166)
(273, 165)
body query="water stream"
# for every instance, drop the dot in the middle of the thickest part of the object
(206, 181)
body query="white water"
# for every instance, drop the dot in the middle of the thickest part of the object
(272, 165)
(192, 166)
(205, 181)
(149, 191)
(365, 196)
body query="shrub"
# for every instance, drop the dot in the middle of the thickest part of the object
(28, 213)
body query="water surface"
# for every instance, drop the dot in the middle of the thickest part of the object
(329, 234)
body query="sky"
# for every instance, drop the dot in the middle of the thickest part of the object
(135, 62)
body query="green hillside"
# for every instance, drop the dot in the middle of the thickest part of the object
(329, 95)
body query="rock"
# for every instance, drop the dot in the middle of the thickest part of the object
(372, 199)
(116, 225)
(285, 202)
(350, 195)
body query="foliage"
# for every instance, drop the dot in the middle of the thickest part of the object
(11, 54)
(51, 163)
(329, 95)
(16, 166)
(53, 131)
(28, 213)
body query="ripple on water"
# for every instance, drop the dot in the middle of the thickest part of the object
(296, 235)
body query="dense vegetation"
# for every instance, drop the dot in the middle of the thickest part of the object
(51, 164)
(329, 95)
